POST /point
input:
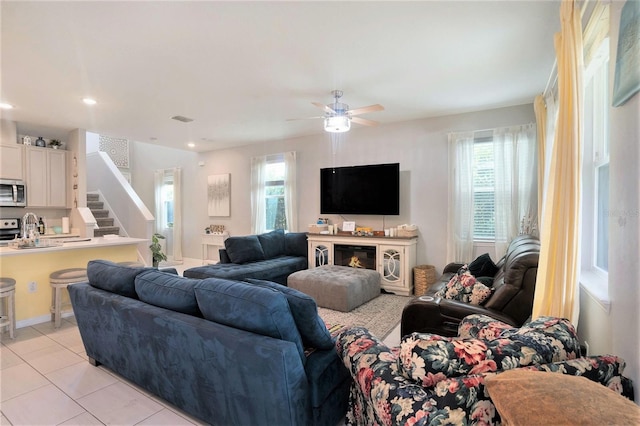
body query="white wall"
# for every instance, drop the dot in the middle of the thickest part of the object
(624, 222)
(419, 146)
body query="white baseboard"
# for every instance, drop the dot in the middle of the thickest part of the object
(38, 320)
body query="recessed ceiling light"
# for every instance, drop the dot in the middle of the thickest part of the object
(191, 144)
(89, 101)
(5, 106)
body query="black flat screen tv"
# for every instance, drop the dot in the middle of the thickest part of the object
(369, 189)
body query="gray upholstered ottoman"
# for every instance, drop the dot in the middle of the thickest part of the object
(340, 288)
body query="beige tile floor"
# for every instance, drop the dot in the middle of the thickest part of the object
(46, 379)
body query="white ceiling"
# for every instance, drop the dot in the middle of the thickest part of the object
(241, 69)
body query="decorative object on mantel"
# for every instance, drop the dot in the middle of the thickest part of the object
(55, 143)
(219, 194)
(40, 142)
(627, 74)
(348, 226)
(406, 231)
(26, 140)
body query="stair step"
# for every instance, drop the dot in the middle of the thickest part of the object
(106, 230)
(104, 221)
(100, 213)
(95, 205)
(93, 197)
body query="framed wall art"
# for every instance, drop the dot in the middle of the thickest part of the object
(627, 74)
(219, 194)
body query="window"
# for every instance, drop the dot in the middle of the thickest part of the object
(273, 192)
(483, 190)
(275, 217)
(595, 205)
(167, 201)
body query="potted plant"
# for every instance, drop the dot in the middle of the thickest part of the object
(156, 250)
(55, 144)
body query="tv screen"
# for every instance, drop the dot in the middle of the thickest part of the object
(370, 189)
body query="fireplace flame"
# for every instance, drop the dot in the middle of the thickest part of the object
(355, 262)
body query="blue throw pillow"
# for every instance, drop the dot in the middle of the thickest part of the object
(114, 278)
(168, 291)
(312, 328)
(248, 307)
(272, 243)
(295, 244)
(244, 249)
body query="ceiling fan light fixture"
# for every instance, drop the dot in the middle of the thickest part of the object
(339, 124)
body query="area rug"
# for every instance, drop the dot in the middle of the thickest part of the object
(380, 315)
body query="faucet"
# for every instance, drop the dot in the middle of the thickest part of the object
(29, 223)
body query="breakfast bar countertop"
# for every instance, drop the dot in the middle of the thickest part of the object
(73, 244)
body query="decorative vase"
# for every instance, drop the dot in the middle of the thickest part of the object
(40, 142)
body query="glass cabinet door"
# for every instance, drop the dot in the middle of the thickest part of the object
(322, 254)
(391, 261)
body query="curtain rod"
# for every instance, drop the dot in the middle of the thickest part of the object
(531, 123)
(554, 69)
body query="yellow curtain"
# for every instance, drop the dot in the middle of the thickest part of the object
(541, 124)
(557, 282)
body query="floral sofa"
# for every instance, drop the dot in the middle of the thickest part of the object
(431, 379)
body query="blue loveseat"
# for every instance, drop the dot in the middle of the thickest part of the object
(226, 352)
(270, 256)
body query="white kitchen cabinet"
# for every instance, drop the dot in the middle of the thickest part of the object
(12, 162)
(394, 257)
(46, 177)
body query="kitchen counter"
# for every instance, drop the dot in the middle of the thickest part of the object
(31, 268)
(72, 243)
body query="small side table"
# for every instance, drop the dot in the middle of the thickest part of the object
(216, 240)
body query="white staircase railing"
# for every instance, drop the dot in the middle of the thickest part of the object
(134, 217)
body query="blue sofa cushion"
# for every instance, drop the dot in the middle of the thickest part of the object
(276, 270)
(114, 278)
(272, 243)
(244, 249)
(168, 291)
(248, 307)
(312, 328)
(295, 244)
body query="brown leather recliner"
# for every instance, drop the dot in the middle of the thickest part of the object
(511, 301)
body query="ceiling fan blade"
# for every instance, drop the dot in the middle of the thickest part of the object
(305, 118)
(364, 121)
(370, 108)
(324, 107)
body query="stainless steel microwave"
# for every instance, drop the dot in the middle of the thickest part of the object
(13, 193)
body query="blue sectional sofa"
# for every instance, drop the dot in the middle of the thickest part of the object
(270, 256)
(226, 352)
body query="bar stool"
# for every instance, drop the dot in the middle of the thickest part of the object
(131, 264)
(60, 280)
(8, 317)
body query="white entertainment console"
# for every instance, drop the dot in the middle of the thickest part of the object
(393, 257)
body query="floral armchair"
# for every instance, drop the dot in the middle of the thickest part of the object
(430, 379)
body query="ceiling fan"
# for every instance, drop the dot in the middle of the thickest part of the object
(338, 117)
